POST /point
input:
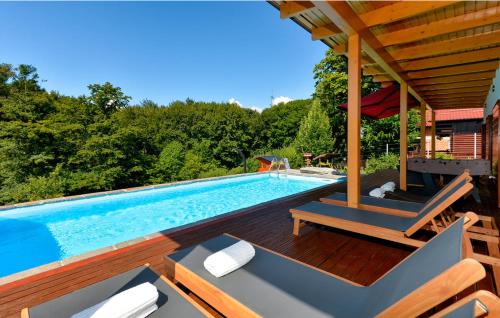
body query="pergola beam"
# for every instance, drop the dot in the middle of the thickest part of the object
(354, 121)
(447, 46)
(423, 121)
(293, 8)
(400, 10)
(433, 134)
(454, 78)
(403, 134)
(455, 70)
(440, 27)
(343, 16)
(382, 78)
(373, 70)
(452, 59)
(325, 31)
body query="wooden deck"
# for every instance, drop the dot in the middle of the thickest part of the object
(358, 258)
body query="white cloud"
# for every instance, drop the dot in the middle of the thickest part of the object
(233, 100)
(281, 99)
(257, 109)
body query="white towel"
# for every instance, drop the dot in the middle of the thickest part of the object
(135, 302)
(229, 259)
(389, 186)
(377, 193)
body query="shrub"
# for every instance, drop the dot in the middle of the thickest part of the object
(214, 172)
(444, 155)
(387, 161)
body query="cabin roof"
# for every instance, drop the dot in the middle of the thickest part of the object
(456, 114)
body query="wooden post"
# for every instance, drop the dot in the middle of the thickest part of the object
(433, 135)
(423, 140)
(353, 120)
(403, 134)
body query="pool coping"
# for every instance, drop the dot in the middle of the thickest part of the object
(154, 186)
(31, 274)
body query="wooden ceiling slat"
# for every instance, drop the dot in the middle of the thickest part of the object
(452, 59)
(324, 32)
(456, 101)
(400, 10)
(455, 70)
(482, 89)
(456, 106)
(292, 8)
(454, 78)
(460, 95)
(440, 27)
(447, 46)
(454, 85)
(475, 102)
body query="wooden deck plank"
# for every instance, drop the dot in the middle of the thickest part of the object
(356, 257)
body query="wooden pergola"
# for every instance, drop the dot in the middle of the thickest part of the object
(444, 53)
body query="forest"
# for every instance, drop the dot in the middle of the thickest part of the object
(53, 145)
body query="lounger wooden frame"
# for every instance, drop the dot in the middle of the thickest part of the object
(441, 210)
(376, 231)
(487, 305)
(25, 311)
(454, 280)
(486, 229)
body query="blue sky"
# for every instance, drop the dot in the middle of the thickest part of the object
(210, 51)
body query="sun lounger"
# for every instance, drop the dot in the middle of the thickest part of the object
(478, 304)
(171, 302)
(396, 207)
(272, 285)
(386, 226)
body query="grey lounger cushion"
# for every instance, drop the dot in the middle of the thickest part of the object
(467, 310)
(384, 203)
(387, 221)
(394, 222)
(170, 303)
(274, 286)
(395, 204)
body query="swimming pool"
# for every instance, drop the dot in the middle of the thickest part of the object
(35, 235)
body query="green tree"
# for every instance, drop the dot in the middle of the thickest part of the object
(315, 132)
(331, 77)
(107, 98)
(169, 164)
(281, 122)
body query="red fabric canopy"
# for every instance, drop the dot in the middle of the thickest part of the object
(383, 103)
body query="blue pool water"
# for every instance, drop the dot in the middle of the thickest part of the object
(40, 234)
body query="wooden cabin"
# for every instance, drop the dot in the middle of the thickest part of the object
(458, 132)
(266, 161)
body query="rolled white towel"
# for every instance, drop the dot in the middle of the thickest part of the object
(135, 302)
(377, 193)
(229, 259)
(389, 186)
